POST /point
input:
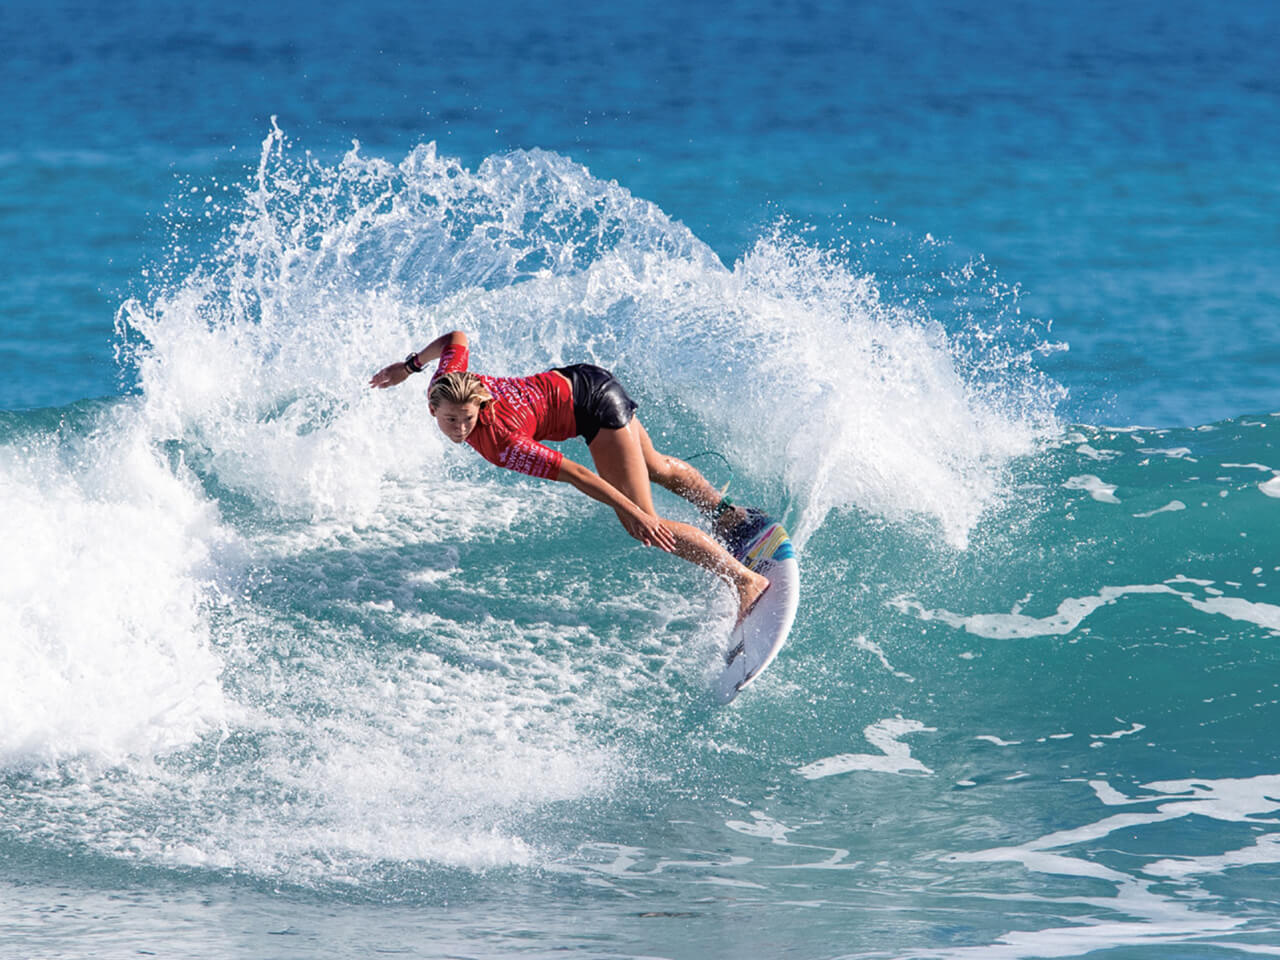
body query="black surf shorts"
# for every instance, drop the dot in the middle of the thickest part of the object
(599, 400)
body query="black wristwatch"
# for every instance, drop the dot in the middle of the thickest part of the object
(412, 365)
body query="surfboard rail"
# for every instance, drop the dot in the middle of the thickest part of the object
(761, 543)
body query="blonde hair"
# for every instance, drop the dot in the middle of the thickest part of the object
(460, 388)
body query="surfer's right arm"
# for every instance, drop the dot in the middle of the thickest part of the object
(398, 372)
(650, 530)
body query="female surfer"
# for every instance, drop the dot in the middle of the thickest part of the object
(505, 418)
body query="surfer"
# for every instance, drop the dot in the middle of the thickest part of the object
(506, 418)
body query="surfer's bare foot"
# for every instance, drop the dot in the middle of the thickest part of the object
(749, 592)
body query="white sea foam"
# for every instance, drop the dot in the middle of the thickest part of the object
(1094, 454)
(997, 741)
(875, 650)
(409, 758)
(1145, 914)
(1264, 850)
(1116, 735)
(1237, 608)
(1073, 611)
(1173, 506)
(111, 562)
(1070, 614)
(886, 736)
(1098, 489)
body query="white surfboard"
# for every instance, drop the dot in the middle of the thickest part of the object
(762, 545)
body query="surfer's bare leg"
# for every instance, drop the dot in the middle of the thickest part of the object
(619, 458)
(686, 481)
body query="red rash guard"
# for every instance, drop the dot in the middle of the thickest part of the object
(524, 411)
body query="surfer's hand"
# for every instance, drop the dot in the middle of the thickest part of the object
(651, 531)
(390, 375)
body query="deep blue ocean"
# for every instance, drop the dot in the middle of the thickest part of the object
(982, 299)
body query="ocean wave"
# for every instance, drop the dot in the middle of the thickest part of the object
(386, 657)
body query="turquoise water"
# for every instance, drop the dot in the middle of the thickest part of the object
(978, 298)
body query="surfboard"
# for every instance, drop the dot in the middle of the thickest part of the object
(761, 544)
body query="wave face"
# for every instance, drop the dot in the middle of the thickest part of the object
(313, 646)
